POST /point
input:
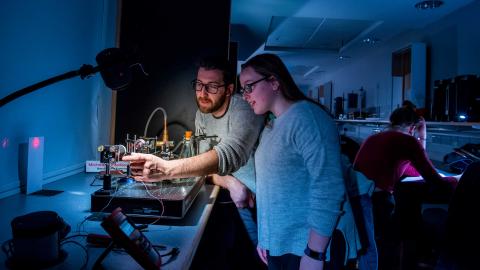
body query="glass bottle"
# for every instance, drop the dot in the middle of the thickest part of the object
(187, 149)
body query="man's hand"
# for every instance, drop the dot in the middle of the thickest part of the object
(240, 194)
(147, 167)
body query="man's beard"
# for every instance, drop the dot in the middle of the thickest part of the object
(214, 106)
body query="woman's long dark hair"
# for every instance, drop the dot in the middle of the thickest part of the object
(267, 65)
(271, 65)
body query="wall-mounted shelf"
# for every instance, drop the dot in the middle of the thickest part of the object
(442, 137)
(475, 125)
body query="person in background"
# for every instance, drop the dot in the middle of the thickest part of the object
(300, 187)
(386, 158)
(228, 157)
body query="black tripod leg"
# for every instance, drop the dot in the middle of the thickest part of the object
(98, 262)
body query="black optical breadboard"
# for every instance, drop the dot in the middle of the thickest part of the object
(143, 199)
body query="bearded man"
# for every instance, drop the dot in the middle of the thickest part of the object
(227, 157)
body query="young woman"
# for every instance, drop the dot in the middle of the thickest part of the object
(385, 158)
(300, 188)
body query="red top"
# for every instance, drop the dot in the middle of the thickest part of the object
(386, 157)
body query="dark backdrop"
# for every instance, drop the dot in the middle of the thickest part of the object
(168, 38)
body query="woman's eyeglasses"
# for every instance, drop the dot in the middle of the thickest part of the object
(248, 88)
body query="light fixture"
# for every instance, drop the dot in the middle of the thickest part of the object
(370, 40)
(428, 4)
(310, 71)
(112, 64)
(344, 57)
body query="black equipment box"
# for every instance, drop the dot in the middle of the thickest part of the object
(169, 199)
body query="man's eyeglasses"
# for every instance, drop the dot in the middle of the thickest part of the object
(211, 88)
(248, 88)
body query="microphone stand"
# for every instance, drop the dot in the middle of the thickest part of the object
(84, 72)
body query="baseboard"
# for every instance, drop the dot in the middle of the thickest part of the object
(9, 189)
(62, 173)
(14, 187)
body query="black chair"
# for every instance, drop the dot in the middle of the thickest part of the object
(462, 224)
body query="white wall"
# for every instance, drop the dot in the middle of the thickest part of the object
(452, 42)
(39, 40)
